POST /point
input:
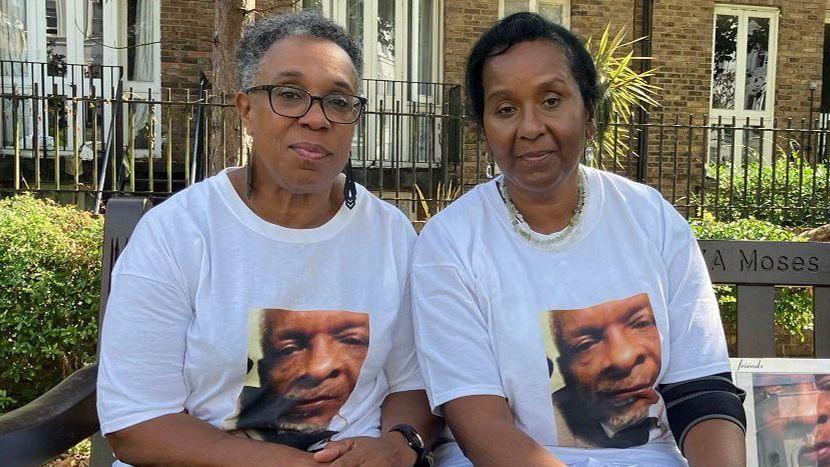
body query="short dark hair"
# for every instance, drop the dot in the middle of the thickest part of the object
(259, 36)
(523, 27)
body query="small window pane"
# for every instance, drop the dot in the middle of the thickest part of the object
(354, 19)
(386, 40)
(757, 61)
(515, 6)
(725, 62)
(140, 35)
(721, 141)
(56, 37)
(552, 10)
(425, 37)
(12, 30)
(93, 35)
(314, 5)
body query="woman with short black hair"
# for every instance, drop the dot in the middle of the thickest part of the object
(564, 315)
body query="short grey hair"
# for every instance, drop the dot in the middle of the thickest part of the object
(259, 36)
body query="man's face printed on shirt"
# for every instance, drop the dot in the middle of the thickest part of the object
(313, 359)
(608, 357)
(309, 365)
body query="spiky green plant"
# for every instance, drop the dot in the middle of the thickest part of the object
(444, 195)
(622, 90)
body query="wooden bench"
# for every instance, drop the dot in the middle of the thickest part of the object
(66, 415)
(756, 268)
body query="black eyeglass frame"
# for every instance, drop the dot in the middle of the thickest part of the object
(270, 87)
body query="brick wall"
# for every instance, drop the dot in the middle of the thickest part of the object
(464, 22)
(589, 18)
(800, 56)
(186, 35)
(682, 48)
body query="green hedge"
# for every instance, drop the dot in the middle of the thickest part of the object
(792, 183)
(793, 305)
(50, 280)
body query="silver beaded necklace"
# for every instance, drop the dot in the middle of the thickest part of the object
(555, 241)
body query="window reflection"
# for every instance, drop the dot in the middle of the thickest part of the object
(725, 62)
(757, 58)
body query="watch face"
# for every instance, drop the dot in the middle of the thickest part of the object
(418, 441)
(412, 438)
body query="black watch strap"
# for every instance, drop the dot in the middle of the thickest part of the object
(414, 441)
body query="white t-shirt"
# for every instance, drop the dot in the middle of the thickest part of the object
(575, 339)
(288, 335)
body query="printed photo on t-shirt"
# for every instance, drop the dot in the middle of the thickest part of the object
(603, 363)
(302, 367)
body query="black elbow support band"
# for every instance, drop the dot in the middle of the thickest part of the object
(710, 397)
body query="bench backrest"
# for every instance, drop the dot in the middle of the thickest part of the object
(756, 268)
(122, 215)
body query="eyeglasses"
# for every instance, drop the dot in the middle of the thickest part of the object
(289, 101)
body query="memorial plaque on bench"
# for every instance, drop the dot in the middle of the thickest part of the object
(756, 268)
(771, 263)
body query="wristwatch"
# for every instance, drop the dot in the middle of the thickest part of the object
(414, 441)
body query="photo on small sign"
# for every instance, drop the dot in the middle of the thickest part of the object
(788, 411)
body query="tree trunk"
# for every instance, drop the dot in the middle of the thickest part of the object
(228, 142)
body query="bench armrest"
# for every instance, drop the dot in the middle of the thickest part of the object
(54, 422)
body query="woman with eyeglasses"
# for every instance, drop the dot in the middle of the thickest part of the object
(261, 317)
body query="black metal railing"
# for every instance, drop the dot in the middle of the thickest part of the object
(730, 168)
(413, 147)
(86, 148)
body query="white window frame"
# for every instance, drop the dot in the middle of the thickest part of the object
(115, 37)
(532, 5)
(119, 54)
(336, 10)
(755, 116)
(37, 52)
(824, 118)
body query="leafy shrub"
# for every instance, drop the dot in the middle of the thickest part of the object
(793, 305)
(50, 280)
(709, 228)
(767, 191)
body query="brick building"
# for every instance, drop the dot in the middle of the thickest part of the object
(768, 55)
(437, 35)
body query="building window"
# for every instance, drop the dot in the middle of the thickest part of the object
(743, 80)
(401, 43)
(56, 47)
(386, 29)
(92, 28)
(13, 30)
(558, 11)
(825, 87)
(141, 40)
